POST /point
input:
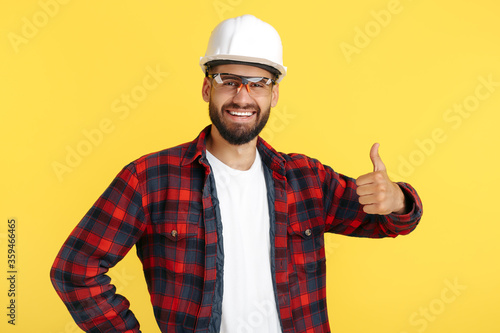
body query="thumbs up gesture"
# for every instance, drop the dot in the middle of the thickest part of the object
(377, 193)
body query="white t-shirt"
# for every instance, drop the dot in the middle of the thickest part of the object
(248, 303)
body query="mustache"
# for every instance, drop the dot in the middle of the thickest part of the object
(232, 105)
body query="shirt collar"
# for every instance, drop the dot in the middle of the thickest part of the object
(197, 149)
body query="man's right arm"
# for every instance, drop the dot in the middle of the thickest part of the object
(101, 239)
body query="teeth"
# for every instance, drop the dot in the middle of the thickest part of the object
(234, 113)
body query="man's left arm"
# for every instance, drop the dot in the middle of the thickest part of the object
(371, 205)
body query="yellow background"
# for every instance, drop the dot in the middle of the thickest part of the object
(396, 89)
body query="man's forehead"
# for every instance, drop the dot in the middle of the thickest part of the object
(243, 70)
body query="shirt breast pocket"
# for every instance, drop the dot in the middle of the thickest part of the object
(176, 242)
(306, 247)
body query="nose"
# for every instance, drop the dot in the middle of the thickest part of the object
(241, 86)
(243, 94)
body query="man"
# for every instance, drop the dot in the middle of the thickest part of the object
(229, 231)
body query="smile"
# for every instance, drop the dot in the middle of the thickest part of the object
(241, 113)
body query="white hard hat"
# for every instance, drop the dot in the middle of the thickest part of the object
(246, 39)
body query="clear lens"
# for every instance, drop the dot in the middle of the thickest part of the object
(232, 83)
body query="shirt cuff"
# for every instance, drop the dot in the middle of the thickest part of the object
(412, 203)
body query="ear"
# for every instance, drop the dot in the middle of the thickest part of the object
(275, 95)
(205, 90)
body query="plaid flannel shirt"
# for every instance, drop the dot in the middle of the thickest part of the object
(166, 205)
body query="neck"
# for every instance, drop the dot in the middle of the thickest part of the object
(239, 157)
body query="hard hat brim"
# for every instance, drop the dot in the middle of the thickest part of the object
(244, 59)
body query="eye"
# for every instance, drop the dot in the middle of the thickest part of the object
(257, 82)
(230, 81)
(257, 85)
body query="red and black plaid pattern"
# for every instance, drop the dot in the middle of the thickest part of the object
(165, 203)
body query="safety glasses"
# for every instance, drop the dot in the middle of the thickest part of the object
(231, 84)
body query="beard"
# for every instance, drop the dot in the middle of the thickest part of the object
(239, 134)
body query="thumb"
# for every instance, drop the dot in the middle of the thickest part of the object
(378, 165)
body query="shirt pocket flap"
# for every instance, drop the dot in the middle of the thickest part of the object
(174, 230)
(306, 225)
(300, 228)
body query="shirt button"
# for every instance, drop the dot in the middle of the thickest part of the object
(308, 232)
(174, 233)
